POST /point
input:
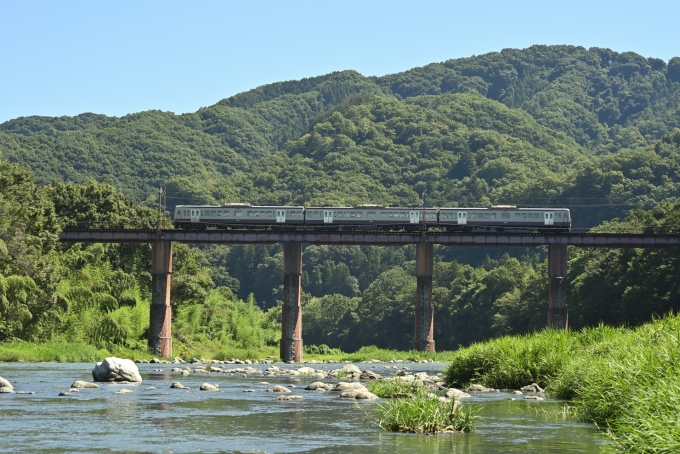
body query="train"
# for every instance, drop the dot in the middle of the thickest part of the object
(497, 218)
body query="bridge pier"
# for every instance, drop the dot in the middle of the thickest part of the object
(160, 334)
(424, 339)
(291, 317)
(557, 274)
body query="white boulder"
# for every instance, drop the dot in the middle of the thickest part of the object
(114, 369)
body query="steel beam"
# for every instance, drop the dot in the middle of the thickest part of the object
(160, 333)
(373, 238)
(291, 317)
(557, 275)
(424, 338)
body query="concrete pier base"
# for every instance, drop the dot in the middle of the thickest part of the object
(291, 318)
(557, 275)
(160, 332)
(424, 338)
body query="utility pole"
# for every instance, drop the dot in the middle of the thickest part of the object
(160, 224)
(424, 223)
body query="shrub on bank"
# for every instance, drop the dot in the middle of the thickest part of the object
(627, 381)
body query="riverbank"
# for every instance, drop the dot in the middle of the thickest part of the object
(71, 352)
(626, 381)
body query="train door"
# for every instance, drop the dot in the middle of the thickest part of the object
(327, 216)
(462, 218)
(195, 216)
(548, 218)
(414, 217)
(280, 215)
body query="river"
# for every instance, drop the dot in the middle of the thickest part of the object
(164, 420)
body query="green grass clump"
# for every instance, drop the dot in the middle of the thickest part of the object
(396, 388)
(513, 362)
(627, 381)
(423, 415)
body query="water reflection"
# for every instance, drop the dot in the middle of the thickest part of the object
(170, 420)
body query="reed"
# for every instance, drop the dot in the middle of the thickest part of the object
(396, 389)
(422, 415)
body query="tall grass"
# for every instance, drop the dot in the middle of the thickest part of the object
(627, 381)
(396, 388)
(422, 415)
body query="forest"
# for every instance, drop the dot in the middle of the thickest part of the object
(589, 129)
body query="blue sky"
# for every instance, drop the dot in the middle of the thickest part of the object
(69, 57)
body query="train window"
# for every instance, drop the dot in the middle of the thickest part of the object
(524, 215)
(493, 215)
(487, 215)
(270, 213)
(558, 215)
(370, 215)
(238, 213)
(353, 214)
(250, 214)
(430, 215)
(383, 215)
(226, 212)
(505, 215)
(516, 215)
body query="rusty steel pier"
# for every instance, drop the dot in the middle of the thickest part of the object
(160, 338)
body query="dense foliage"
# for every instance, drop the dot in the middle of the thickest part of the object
(590, 129)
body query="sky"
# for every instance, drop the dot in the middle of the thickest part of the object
(69, 57)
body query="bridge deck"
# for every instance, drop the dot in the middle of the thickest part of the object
(611, 240)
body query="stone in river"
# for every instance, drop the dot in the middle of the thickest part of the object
(209, 387)
(480, 388)
(369, 375)
(5, 383)
(306, 370)
(278, 389)
(532, 388)
(6, 390)
(319, 385)
(114, 369)
(291, 397)
(123, 391)
(178, 385)
(456, 393)
(84, 384)
(532, 398)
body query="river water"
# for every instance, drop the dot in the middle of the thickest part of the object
(164, 420)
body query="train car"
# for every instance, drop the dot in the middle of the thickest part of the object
(505, 217)
(368, 215)
(201, 216)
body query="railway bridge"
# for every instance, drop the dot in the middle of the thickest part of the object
(160, 336)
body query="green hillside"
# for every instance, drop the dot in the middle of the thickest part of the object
(543, 125)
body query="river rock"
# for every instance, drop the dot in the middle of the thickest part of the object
(84, 384)
(532, 388)
(480, 388)
(175, 369)
(306, 370)
(273, 369)
(248, 390)
(124, 391)
(456, 394)
(64, 393)
(369, 375)
(291, 397)
(319, 385)
(114, 369)
(358, 394)
(6, 390)
(351, 370)
(178, 385)
(209, 387)
(344, 386)
(533, 398)
(318, 375)
(5, 383)
(517, 392)
(278, 389)
(184, 373)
